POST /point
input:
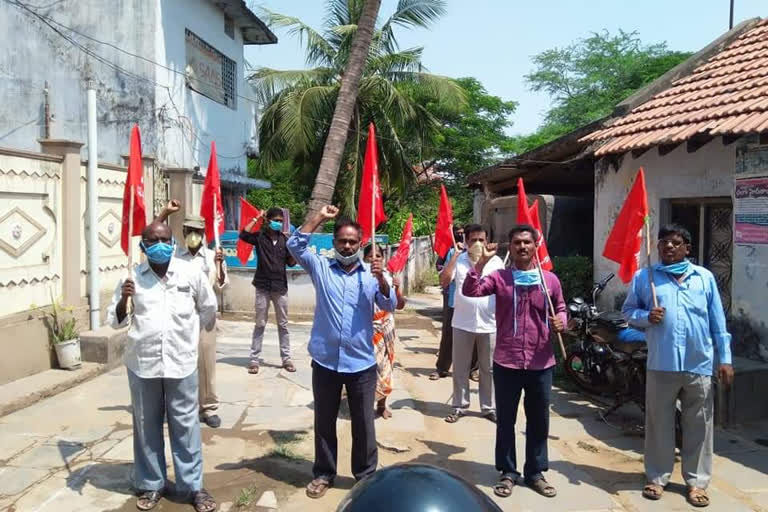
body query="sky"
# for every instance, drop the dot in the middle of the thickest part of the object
(494, 40)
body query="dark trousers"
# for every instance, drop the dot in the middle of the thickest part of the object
(537, 385)
(445, 352)
(361, 393)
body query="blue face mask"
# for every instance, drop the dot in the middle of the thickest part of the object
(275, 225)
(527, 277)
(159, 253)
(679, 268)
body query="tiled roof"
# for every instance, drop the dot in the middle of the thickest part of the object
(727, 95)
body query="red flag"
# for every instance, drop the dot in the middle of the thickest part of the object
(530, 216)
(397, 262)
(247, 213)
(626, 239)
(370, 190)
(444, 227)
(134, 187)
(211, 189)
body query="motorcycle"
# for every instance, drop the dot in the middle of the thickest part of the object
(609, 357)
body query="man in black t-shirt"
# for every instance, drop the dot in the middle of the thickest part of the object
(271, 283)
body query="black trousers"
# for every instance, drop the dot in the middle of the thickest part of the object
(361, 394)
(510, 384)
(445, 352)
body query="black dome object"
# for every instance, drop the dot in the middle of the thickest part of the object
(415, 488)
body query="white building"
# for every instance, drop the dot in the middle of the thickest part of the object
(175, 67)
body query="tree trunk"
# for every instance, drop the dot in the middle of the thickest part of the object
(325, 182)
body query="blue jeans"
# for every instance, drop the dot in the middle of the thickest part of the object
(510, 384)
(153, 400)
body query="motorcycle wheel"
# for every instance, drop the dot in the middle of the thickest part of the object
(574, 368)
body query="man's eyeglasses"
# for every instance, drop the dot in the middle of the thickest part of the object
(674, 243)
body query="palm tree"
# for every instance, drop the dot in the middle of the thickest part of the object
(300, 106)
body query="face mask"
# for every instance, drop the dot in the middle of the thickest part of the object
(347, 260)
(527, 277)
(159, 253)
(275, 225)
(193, 239)
(679, 268)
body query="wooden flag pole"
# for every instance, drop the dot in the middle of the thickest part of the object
(216, 236)
(129, 302)
(650, 267)
(549, 301)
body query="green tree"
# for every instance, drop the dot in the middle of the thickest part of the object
(299, 104)
(586, 79)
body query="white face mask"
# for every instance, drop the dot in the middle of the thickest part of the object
(348, 260)
(193, 239)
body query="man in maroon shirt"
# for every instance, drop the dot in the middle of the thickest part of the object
(523, 360)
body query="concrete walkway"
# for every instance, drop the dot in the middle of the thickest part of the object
(73, 451)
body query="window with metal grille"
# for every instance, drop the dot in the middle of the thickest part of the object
(210, 72)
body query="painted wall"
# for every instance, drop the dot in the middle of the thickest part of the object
(707, 172)
(750, 272)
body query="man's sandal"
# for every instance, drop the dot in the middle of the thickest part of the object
(203, 501)
(454, 416)
(653, 491)
(288, 366)
(148, 500)
(504, 486)
(318, 487)
(253, 368)
(697, 497)
(542, 487)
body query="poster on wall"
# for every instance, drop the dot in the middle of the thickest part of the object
(750, 209)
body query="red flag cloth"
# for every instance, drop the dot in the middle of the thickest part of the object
(444, 227)
(134, 185)
(397, 262)
(626, 238)
(543, 252)
(370, 190)
(247, 213)
(211, 189)
(530, 216)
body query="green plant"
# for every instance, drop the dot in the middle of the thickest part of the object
(61, 329)
(575, 274)
(245, 497)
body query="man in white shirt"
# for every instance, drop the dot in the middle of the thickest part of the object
(474, 325)
(212, 264)
(171, 299)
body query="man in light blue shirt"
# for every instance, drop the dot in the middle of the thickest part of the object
(341, 344)
(686, 335)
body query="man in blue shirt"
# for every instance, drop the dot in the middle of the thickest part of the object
(341, 344)
(686, 337)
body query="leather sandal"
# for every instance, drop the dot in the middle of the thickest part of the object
(253, 368)
(504, 486)
(148, 500)
(652, 491)
(288, 365)
(697, 497)
(318, 487)
(541, 486)
(203, 502)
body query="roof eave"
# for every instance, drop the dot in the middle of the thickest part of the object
(254, 30)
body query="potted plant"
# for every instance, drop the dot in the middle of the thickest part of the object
(64, 336)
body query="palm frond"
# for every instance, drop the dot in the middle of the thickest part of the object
(442, 89)
(408, 14)
(268, 82)
(405, 60)
(319, 50)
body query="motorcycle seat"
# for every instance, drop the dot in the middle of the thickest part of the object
(612, 319)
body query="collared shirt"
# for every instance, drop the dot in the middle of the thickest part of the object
(522, 313)
(474, 314)
(205, 260)
(273, 256)
(693, 330)
(451, 291)
(165, 322)
(342, 332)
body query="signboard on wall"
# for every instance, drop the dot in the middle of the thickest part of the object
(750, 209)
(204, 68)
(319, 243)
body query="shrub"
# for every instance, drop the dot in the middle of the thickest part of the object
(575, 273)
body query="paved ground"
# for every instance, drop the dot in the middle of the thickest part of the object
(73, 451)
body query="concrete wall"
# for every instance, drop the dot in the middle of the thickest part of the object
(707, 172)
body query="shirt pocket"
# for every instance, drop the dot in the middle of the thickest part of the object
(182, 301)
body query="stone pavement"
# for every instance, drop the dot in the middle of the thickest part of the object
(73, 451)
